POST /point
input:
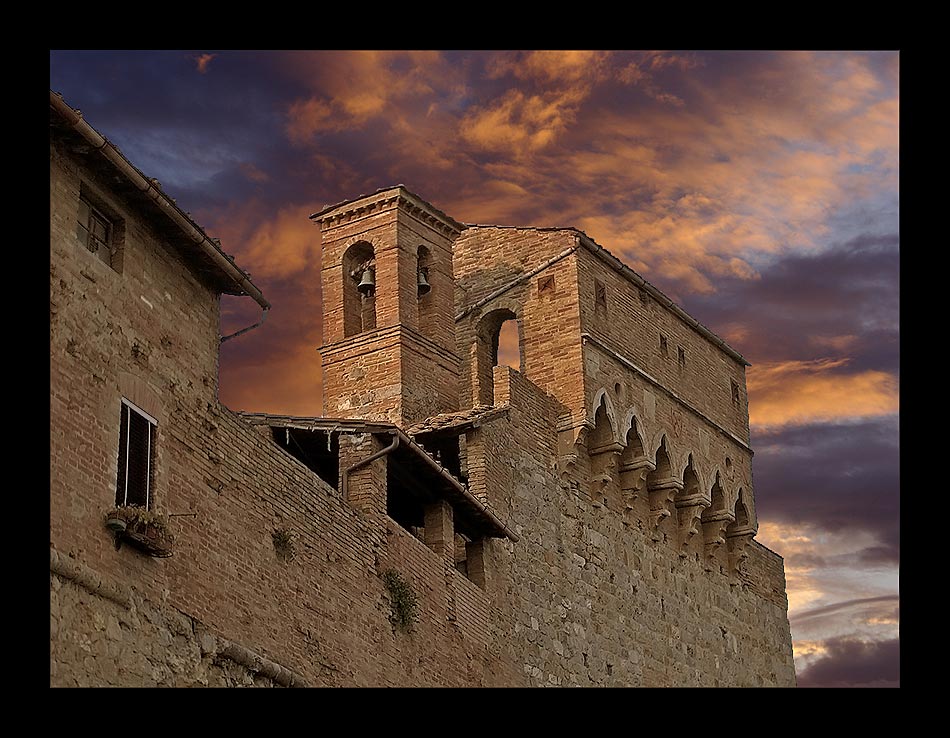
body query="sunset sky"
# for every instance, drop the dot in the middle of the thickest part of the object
(759, 190)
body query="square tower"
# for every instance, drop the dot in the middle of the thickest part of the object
(388, 308)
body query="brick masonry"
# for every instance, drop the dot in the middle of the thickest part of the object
(586, 596)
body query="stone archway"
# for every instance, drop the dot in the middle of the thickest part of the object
(487, 334)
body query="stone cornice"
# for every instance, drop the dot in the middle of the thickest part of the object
(388, 199)
(388, 337)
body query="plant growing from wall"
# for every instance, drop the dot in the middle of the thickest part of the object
(283, 544)
(402, 600)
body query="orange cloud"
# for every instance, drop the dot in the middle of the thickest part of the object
(795, 392)
(282, 382)
(202, 61)
(285, 244)
(749, 169)
(551, 66)
(518, 122)
(270, 244)
(640, 72)
(307, 117)
(351, 88)
(253, 173)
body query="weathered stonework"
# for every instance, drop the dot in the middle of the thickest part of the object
(532, 536)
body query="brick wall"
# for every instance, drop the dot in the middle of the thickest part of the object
(325, 613)
(488, 258)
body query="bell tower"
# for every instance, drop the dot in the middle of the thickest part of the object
(388, 348)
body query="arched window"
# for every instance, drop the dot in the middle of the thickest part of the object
(497, 342)
(359, 289)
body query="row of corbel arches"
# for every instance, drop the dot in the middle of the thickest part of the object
(641, 469)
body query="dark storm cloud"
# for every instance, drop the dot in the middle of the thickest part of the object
(175, 123)
(836, 477)
(838, 606)
(853, 663)
(843, 301)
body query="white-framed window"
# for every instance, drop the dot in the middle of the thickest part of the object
(136, 456)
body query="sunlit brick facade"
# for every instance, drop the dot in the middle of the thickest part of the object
(449, 521)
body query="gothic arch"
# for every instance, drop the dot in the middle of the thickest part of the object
(661, 438)
(662, 456)
(744, 512)
(632, 435)
(602, 397)
(692, 481)
(719, 502)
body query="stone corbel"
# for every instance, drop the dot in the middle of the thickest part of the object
(662, 492)
(606, 448)
(737, 541)
(633, 477)
(598, 488)
(689, 511)
(604, 460)
(714, 529)
(567, 463)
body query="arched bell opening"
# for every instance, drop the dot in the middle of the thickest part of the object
(359, 289)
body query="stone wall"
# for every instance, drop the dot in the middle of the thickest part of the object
(103, 634)
(594, 600)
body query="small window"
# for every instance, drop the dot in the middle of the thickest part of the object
(681, 356)
(736, 399)
(136, 455)
(644, 298)
(546, 284)
(664, 348)
(96, 231)
(600, 294)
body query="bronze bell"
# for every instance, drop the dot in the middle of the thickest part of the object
(423, 283)
(367, 284)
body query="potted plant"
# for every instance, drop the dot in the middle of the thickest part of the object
(145, 529)
(116, 521)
